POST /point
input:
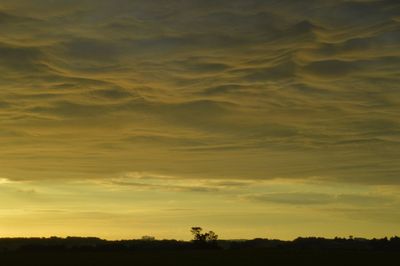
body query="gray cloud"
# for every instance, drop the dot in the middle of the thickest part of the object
(238, 89)
(294, 198)
(313, 198)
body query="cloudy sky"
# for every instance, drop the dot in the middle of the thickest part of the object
(252, 118)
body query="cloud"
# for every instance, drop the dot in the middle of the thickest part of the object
(388, 215)
(216, 89)
(294, 198)
(163, 187)
(5, 181)
(314, 198)
(157, 182)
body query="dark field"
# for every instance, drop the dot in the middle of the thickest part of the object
(301, 251)
(202, 257)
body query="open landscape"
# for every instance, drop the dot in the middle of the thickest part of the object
(272, 124)
(302, 251)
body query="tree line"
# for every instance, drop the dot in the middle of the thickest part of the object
(200, 240)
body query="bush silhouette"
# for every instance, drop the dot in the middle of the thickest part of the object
(204, 240)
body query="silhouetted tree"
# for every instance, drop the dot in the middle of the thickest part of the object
(208, 239)
(211, 236)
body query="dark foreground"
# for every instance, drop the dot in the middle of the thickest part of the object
(77, 251)
(201, 257)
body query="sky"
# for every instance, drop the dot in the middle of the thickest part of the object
(251, 118)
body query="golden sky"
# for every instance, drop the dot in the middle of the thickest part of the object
(251, 118)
